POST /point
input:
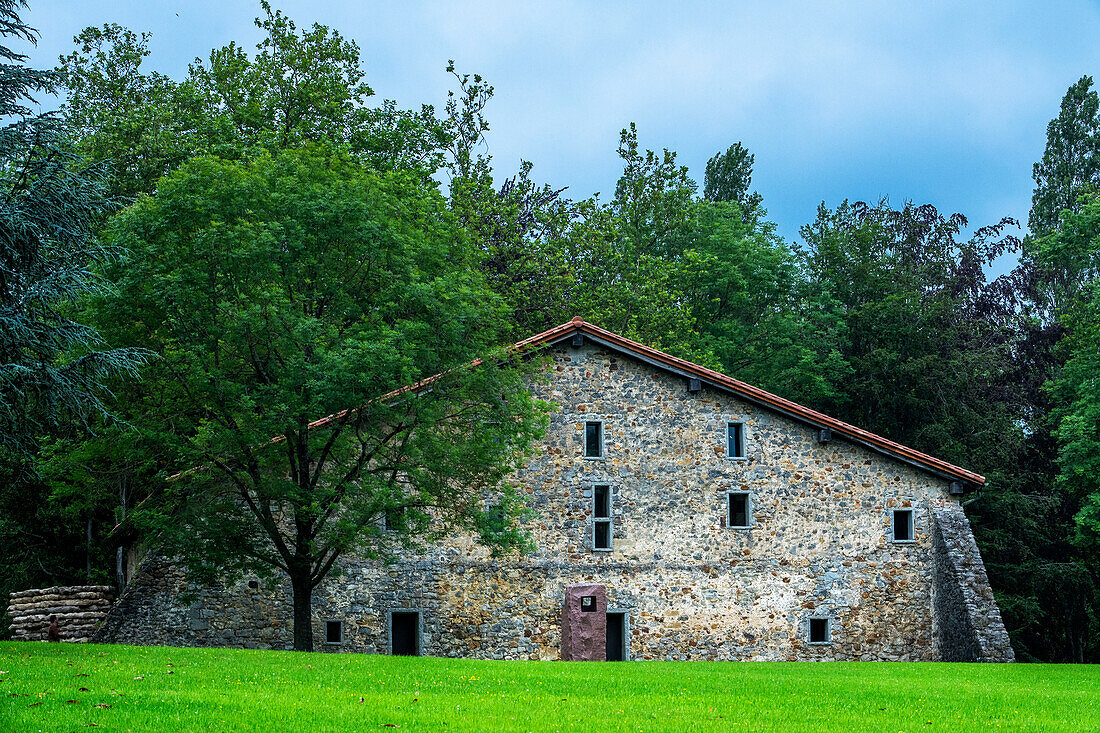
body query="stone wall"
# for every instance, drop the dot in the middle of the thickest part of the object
(968, 626)
(819, 546)
(160, 606)
(79, 610)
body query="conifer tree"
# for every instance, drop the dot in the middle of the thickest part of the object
(51, 365)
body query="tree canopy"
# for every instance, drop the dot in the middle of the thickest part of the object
(281, 289)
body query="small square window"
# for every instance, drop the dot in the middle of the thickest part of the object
(903, 525)
(820, 631)
(334, 632)
(735, 440)
(593, 440)
(740, 513)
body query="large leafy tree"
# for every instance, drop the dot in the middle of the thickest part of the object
(138, 124)
(927, 336)
(1053, 603)
(282, 289)
(1071, 161)
(755, 309)
(1068, 263)
(953, 365)
(299, 86)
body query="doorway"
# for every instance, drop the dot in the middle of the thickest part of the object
(405, 633)
(618, 643)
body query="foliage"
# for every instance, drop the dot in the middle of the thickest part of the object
(137, 125)
(1069, 263)
(283, 289)
(52, 364)
(928, 339)
(652, 199)
(1071, 161)
(756, 311)
(728, 177)
(299, 87)
(162, 688)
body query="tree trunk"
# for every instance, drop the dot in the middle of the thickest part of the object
(303, 611)
(120, 568)
(88, 553)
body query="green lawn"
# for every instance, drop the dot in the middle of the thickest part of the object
(62, 687)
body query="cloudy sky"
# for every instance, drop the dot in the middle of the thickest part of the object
(940, 102)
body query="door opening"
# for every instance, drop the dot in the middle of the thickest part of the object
(617, 643)
(405, 633)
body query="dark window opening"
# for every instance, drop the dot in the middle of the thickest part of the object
(738, 509)
(819, 631)
(334, 632)
(602, 535)
(903, 525)
(253, 584)
(735, 436)
(602, 499)
(616, 636)
(405, 633)
(601, 513)
(593, 440)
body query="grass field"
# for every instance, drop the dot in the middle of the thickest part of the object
(62, 687)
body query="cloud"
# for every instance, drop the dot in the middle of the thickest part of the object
(940, 101)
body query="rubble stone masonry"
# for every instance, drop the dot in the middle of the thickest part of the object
(819, 546)
(79, 609)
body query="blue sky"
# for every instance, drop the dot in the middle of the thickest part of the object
(945, 103)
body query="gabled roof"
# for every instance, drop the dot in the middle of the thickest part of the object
(754, 395)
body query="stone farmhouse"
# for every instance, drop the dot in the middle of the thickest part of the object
(678, 514)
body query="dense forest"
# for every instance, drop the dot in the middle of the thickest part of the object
(191, 266)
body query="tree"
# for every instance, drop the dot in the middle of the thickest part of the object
(953, 365)
(139, 125)
(652, 198)
(926, 334)
(728, 177)
(52, 364)
(1069, 259)
(299, 86)
(1071, 161)
(757, 312)
(281, 289)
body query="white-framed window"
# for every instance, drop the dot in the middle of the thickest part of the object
(593, 439)
(820, 631)
(602, 531)
(738, 510)
(735, 440)
(902, 527)
(334, 631)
